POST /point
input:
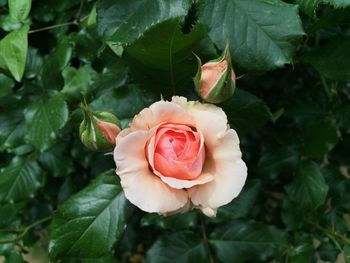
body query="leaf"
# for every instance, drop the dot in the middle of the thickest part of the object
(177, 221)
(44, 118)
(124, 102)
(19, 180)
(91, 221)
(309, 6)
(262, 34)
(275, 161)
(163, 57)
(13, 50)
(6, 85)
(243, 205)
(19, 9)
(12, 128)
(338, 3)
(308, 189)
(54, 63)
(243, 241)
(246, 112)
(319, 139)
(333, 59)
(14, 257)
(76, 82)
(124, 22)
(184, 247)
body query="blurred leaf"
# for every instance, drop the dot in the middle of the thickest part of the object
(332, 60)
(6, 85)
(91, 221)
(302, 253)
(338, 3)
(124, 102)
(76, 82)
(34, 63)
(246, 112)
(56, 162)
(19, 9)
(55, 62)
(44, 118)
(123, 22)
(243, 205)
(13, 50)
(262, 34)
(243, 241)
(319, 139)
(87, 45)
(178, 221)
(12, 128)
(328, 252)
(14, 257)
(309, 6)
(292, 215)
(8, 214)
(19, 180)
(308, 189)
(275, 161)
(163, 56)
(184, 247)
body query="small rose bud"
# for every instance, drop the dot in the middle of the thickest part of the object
(215, 80)
(99, 130)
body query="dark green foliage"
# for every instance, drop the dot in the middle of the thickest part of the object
(291, 110)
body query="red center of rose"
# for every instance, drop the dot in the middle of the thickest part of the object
(178, 152)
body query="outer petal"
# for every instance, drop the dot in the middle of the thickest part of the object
(230, 174)
(209, 119)
(141, 186)
(161, 111)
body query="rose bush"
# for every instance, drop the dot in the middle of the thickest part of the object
(180, 154)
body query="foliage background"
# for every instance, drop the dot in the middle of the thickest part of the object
(291, 110)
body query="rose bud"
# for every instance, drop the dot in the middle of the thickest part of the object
(99, 130)
(215, 80)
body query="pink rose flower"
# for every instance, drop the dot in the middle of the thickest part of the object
(178, 155)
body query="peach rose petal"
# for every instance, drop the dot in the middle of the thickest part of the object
(230, 175)
(161, 111)
(141, 186)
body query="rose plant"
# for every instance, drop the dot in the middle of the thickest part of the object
(172, 158)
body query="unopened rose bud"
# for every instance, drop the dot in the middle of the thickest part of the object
(215, 80)
(98, 130)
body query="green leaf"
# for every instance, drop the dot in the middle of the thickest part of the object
(309, 6)
(178, 221)
(124, 21)
(332, 60)
(14, 257)
(12, 128)
(319, 139)
(6, 85)
(246, 112)
(19, 9)
(163, 57)
(91, 221)
(19, 180)
(54, 63)
(34, 63)
(44, 118)
(262, 34)
(13, 50)
(243, 241)
(76, 82)
(181, 247)
(274, 161)
(243, 205)
(338, 3)
(308, 189)
(124, 102)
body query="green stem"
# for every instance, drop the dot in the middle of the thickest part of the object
(24, 231)
(329, 233)
(205, 238)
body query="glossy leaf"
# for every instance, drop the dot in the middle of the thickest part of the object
(44, 118)
(186, 247)
(19, 180)
(6, 85)
(13, 50)
(123, 22)
(262, 34)
(90, 222)
(244, 241)
(309, 188)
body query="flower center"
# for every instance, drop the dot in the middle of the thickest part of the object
(178, 152)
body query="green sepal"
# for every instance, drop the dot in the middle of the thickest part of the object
(197, 77)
